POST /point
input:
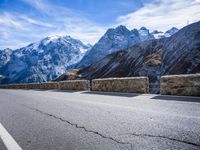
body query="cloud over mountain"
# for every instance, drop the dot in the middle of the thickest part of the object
(162, 14)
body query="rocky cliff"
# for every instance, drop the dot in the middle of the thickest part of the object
(116, 39)
(178, 54)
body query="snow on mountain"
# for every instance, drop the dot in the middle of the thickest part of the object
(178, 54)
(5, 56)
(159, 34)
(52, 56)
(144, 34)
(171, 32)
(114, 40)
(43, 60)
(119, 38)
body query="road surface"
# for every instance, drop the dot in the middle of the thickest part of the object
(71, 120)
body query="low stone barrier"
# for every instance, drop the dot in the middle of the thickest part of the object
(48, 85)
(13, 86)
(32, 85)
(127, 84)
(63, 85)
(80, 85)
(183, 85)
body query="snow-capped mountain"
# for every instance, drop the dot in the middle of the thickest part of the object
(49, 58)
(144, 34)
(178, 54)
(43, 60)
(159, 34)
(170, 32)
(114, 40)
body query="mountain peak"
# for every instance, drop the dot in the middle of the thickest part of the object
(58, 39)
(53, 37)
(121, 27)
(42, 61)
(144, 34)
(174, 28)
(171, 31)
(143, 28)
(121, 30)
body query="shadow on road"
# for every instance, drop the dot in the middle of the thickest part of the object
(36, 89)
(177, 98)
(66, 91)
(112, 94)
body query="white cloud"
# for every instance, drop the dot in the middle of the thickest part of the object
(46, 20)
(69, 22)
(8, 20)
(163, 14)
(38, 4)
(36, 22)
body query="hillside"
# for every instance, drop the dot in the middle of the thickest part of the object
(178, 54)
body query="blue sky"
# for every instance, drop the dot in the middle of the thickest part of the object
(26, 21)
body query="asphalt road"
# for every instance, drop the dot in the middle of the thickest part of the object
(70, 120)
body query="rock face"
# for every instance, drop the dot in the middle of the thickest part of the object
(42, 61)
(114, 40)
(140, 60)
(117, 39)
(69, 75)
(178, 54)
(187, 85)
(130, 85)
(181, 52)
(5, 56)
(52, 56)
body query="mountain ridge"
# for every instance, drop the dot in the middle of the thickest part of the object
(52, 56)
(115, 39)
(43, 60)
(178, 54)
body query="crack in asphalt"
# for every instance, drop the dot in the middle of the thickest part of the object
(163, 137)
(111, 138)
(79, 127)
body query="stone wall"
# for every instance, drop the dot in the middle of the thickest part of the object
(13, 86)
(32, 85)
(127, 84)
(48, 85)
(81, 85)
(64, 85)
(184, 85)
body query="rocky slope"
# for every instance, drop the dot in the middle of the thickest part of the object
(52, 56)
(114, 40)
(5, 56)
(178, 54)
(119, 38)
(41, 61)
